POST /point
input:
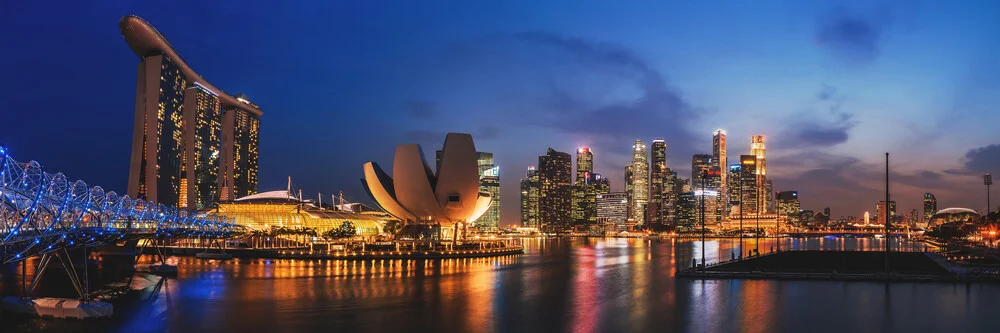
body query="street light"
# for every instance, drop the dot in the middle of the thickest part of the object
(704, 177)
(988, 180)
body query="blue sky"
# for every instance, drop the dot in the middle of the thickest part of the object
(833, 85)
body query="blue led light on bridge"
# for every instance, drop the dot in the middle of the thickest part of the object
(42, 203)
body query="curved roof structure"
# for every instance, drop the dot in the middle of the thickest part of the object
(414, 193)
(954, 214)
(146, 41)
(955, 210)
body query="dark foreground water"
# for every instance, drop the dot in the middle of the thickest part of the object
(558, 285)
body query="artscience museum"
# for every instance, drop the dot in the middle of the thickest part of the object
(417, 195)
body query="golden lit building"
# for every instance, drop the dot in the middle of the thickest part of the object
(265, 210)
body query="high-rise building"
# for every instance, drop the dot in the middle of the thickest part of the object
(640, 183)
(192, 143)
(771, 205)
(930, 206)
(584, 208)
(880, 211)
(203, 114)
(788, 206)
(700, 164)
(658, 185)
(555, 171)
(733, 188)
(584, 164)
(686, 205)
(530, 192)
(748, 183)
(612, 208)
(758, 150)
(240, 141)
(489, 181)
(669, 199)
(720, 162)
(628, 186)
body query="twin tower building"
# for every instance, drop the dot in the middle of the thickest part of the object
(193, 144)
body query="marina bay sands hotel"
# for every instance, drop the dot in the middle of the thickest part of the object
(193, 144)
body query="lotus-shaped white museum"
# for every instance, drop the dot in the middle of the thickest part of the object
(415, 194)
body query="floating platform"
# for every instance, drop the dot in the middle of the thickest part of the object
(162, 269)
(838, 265)
(57, 307)
(215, 256)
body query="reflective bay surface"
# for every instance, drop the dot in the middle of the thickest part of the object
(558, 285)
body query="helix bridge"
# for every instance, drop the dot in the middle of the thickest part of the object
(45, 213)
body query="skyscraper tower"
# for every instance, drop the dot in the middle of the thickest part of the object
(759, 152)
(748, 183)
(489, 181)
(930, 207)
(584, 190)
(733, 188)
(719, 161)
(530, 192)
(584, 164)
(555, 171)
(192, 143)
(640, 183)
(657, 183)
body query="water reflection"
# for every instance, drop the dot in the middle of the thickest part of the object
(559, 285)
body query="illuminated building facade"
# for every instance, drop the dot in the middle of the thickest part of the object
(612, 208)
(530, 192)
(267, 210)
(584, 164)
(640, 183)
(686, 205)
(930, 207)
(788, 206)
(733, 187)
(489, 181)
(759, 151)
(203, 113)
(656, 209)
(720, 162)
(555, 197)
(880, 208)
(584, 209)
(748, 183)
(628, 187)
(180, 153)
(240, 142)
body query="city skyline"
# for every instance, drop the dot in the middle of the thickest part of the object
(829, 149)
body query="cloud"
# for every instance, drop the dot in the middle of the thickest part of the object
(812, 129)
(850, 36)
(978, 160)
(652, 107)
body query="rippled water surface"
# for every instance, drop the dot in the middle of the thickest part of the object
(558, 285)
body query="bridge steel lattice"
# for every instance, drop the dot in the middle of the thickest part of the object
(45, 214)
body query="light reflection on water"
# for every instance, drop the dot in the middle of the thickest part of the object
(559, 285)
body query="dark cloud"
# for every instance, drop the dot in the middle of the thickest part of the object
(812, 128)
(851, 36)
(847, 184)
(422, 109)
(979, 160)
(656, 110)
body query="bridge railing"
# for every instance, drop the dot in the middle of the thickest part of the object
(40, 211)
